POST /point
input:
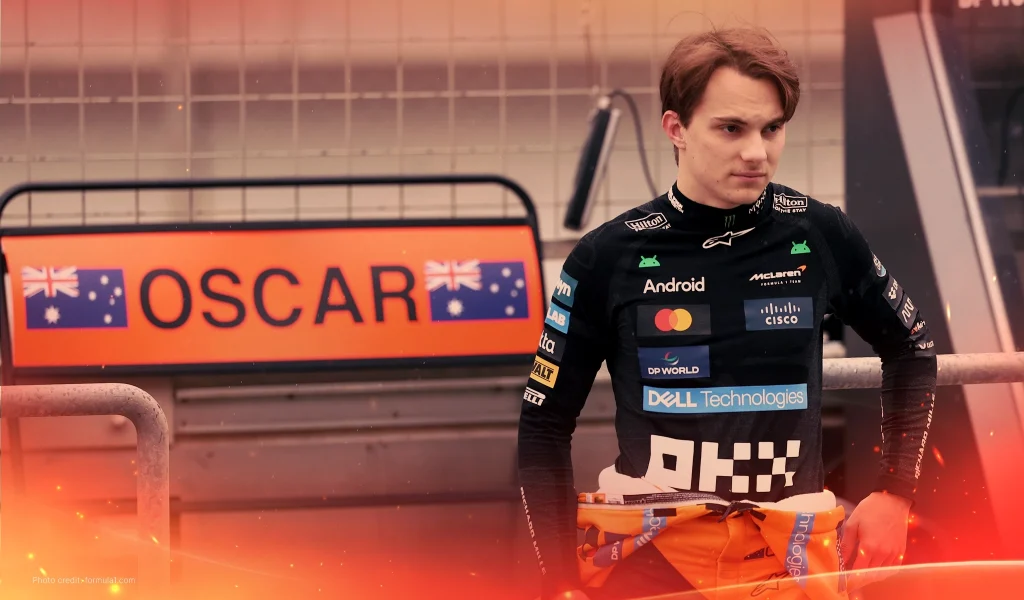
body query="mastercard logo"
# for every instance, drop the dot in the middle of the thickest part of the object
(660, 320)
(669, 319)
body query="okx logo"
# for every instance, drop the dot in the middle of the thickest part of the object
(737, 467)
(670, 320)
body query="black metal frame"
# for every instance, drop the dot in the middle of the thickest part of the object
(9, 370)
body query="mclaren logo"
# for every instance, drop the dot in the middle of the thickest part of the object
(779, 277)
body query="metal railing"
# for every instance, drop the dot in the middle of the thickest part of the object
(153, 434)
(953, 369)
(153, 464)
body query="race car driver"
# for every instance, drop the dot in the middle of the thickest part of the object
(706, 304)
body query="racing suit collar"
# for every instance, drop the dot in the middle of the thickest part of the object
(684, 213)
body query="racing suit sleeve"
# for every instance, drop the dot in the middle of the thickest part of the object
(872, 302)
(572, 346)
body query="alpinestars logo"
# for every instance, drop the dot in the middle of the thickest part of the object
(725, 239)
(651, 221)
(779, 277)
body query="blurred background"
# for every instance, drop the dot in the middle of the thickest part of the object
(123, 89)
(359, 478)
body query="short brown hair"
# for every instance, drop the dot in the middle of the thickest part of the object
(750, 51)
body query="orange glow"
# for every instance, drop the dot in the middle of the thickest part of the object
(938, 456)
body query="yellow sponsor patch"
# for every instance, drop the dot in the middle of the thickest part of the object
(544, 372)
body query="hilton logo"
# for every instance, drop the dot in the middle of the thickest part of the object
(651, 221)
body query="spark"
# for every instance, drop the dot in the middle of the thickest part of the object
(938, 456)
(43, 571)
(115, 589)
(948, 314)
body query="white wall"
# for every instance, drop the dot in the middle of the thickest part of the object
(168, 88)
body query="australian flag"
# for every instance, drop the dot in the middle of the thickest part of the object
(73, 298)
(472, 290)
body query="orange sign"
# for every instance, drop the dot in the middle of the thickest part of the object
(252, 297)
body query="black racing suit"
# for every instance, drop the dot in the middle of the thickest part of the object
(709, 321)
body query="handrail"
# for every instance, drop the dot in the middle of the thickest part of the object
(152, 432)
(837, 374)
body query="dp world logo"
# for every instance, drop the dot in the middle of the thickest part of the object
(684, 362)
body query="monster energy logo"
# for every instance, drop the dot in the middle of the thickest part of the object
(730, 220)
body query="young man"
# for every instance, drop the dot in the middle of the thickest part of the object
(706, 304)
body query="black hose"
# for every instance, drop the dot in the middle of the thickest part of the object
(639, 137)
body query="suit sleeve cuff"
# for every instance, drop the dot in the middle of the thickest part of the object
(891, 484)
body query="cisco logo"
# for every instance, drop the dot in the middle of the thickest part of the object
(779, 313)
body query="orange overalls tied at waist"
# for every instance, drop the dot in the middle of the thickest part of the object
(726, 550)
